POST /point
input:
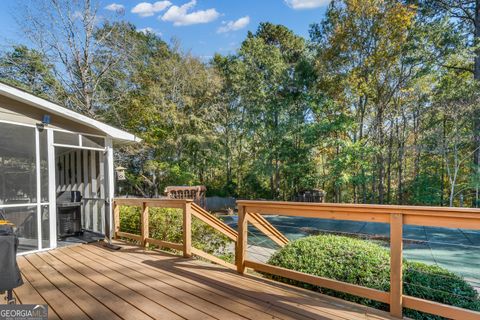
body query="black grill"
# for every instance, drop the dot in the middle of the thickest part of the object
(69, 221)
(10, 276)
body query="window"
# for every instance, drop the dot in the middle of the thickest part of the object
(60, 137)
(93, 142)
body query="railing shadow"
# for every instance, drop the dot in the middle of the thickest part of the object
(294, 300)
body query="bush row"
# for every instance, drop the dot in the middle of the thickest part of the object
(167, 224)
(367, 264)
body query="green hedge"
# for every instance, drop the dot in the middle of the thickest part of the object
(167, 224)
(367, 264)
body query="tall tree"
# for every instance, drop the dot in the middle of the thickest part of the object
(361, 67)
(169, 99)
(271, 93)
(65, 32)
(465, 16)
(29, 69)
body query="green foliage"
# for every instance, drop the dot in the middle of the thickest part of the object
(167, 224)
(267, 77)
(339, 258)
(437, 284)
(423, 190)
(30, 70)
(367, 264)
(379, 105)
(130, 219)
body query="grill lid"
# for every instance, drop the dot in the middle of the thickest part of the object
(69, 197)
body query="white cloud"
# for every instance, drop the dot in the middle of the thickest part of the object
(306, 4)
(149, 30)
(115, 7)
(234, 25)
(181, 17)
(146, 9)
(146, 30)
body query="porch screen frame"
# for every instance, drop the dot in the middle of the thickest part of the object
(98, 204)
(107, 153)
(38, 204)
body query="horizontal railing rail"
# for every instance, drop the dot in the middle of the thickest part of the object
(395, 216)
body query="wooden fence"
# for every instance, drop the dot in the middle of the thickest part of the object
(250, 212)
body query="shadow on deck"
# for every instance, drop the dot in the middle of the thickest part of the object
(93, 282)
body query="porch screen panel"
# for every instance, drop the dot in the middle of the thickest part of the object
(25, 224)
(17, 165)
(45, 218)
(94, 191)
(43, 165)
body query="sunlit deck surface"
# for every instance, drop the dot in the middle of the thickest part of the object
(93, 282)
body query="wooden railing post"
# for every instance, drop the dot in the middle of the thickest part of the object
(144, 224)
(396, 257)
(241, 245)
(187, 230)
(116, 220)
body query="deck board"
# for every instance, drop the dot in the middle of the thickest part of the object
(187, 294)
(93, 282)
(125, 302)
(27, 293)
(242, 286)
(82, 299)
(213, 297)
(273, 294)
(57, 301)
(182, 302)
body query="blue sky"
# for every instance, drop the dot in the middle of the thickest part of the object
(203, 27)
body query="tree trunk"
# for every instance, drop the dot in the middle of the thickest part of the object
(355, 200)
(380, 158)
(476, 118)
(277, 176)
(416, 127)
(400, 165)
(476, 35)
(442, 184)
(389, 166)
(363, 103)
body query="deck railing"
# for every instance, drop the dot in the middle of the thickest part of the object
(250, 212)
(189, 209)
(395, 216)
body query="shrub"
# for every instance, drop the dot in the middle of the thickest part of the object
(367, 264)
(167, 224)
(130, 219)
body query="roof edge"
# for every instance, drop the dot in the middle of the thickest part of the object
(33, 100)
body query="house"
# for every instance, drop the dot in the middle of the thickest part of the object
(56, 171)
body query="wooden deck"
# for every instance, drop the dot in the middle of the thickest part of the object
(92, 282)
